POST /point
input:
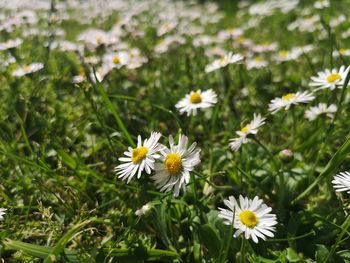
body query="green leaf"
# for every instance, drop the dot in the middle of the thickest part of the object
(117, 255)
(64, 240)
(210, 239)
(292, 255)
(67, 159)
(321, 253)
(38, 251)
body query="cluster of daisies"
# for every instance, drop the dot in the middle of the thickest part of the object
(171, 165)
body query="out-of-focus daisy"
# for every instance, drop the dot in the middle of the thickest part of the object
(203, 40)
(256, 62)
(167, 43)
(222, 62)
(287, 55)
(215, 51)
(230, 33)
(336, 21)
(306, 24)
(140, 158)
(196, 100)
(250, 128)
(177, 163)
(251, 217)
(265, 47)
(79, 78)
(320, 4)
(341, 52)
(320, 109)
(341, 182)
(330, 79)
(27, 69)
(242, 41)
(143, 210)
(2, 213)
(166, 27)
(136, 60)
(116, 59)
(290, 99)
(12, 43)
(96, 37)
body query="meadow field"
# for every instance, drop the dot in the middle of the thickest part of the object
(175, 131)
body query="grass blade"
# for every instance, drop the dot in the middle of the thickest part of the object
(112, 109)
(333, 164)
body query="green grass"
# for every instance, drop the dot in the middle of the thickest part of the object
(60, 142)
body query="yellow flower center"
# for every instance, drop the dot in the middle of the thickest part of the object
(195, 98)
(248, 218)
(173, 163)
(240, 39)
(244, 129)
(222, 60)
(342, 51)
(26, 68)
(138, 154)
(289, 96)
(333, 77)
(98, 40)
(257, 59)
(283, 54)
(116, 60)
(82, 72)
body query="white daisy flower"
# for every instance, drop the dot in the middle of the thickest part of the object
(341, 52)
(256, 62)
(2, 213)
(341, 182)
(140, 158)
(12, 43)
(196, 100)
(287, 55)
(143, 210)
(177, 163)
(250, 217)
(27, 69)
(116, 59)
(321, 4)
(322, 108)
(250, 128)
(290, 99)
(222, 62)
(330, 78)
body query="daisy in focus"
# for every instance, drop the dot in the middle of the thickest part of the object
(251, 217)
(322, 108)
(196, 100)
(222, 62)
(177, 163)
(2, 213)
(140, 158)
(290, 99)
(250, 128)
(341, 182)
(27, 69)
(330, 79)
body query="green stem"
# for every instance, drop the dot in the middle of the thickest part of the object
(113, 110)
(337, 243)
